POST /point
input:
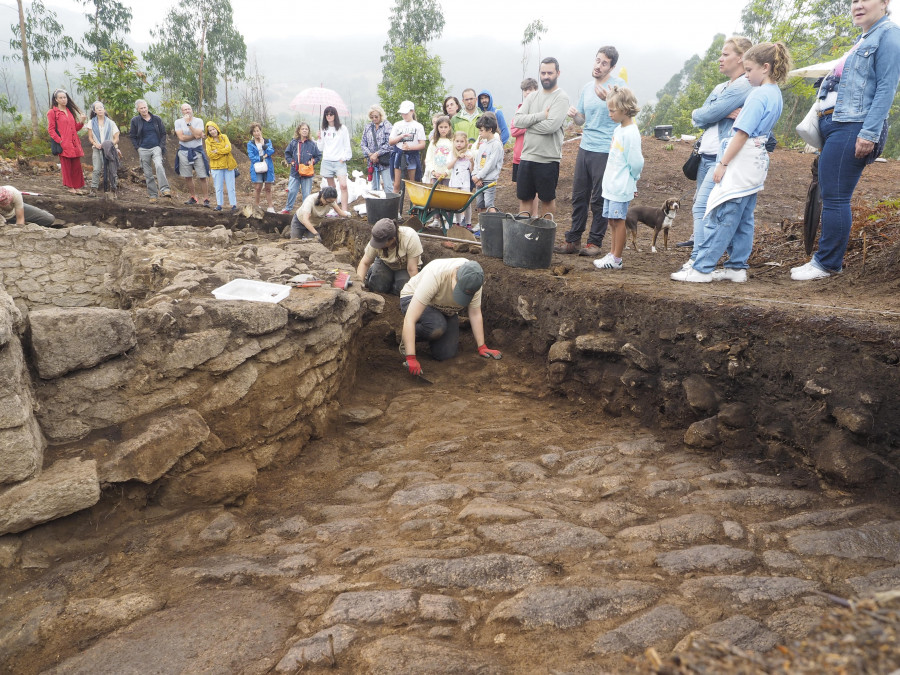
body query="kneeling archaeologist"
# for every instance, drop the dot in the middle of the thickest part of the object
(391, 258)
(430, 303)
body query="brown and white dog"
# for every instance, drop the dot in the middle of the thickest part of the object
(658, 219)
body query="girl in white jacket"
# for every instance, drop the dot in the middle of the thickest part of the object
(334, 142)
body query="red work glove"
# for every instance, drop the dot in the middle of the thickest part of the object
(415, 368)
(489, 353)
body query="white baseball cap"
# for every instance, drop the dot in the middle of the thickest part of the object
(406, 106)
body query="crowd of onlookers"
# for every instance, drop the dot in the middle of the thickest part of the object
(463, 148)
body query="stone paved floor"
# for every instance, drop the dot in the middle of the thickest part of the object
(449, 531)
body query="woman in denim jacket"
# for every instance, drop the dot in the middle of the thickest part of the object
(854, 102)
(716, 117)
(376, 148)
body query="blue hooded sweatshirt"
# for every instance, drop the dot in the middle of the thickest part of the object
(502, 126)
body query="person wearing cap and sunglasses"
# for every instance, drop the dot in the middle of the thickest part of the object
(430, 303)
(391, 257)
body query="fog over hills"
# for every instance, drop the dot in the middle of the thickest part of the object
(353, 68)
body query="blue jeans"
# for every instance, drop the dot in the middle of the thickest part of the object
(224, 177)
(381, 176)
(701, 196)
(728, 227)
(839, 172)
(301, 184)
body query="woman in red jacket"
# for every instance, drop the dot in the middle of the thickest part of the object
(64, 120)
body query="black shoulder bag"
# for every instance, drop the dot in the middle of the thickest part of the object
(55, 147)
(692, 165)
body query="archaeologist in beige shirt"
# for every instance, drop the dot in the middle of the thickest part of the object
(391, 258)
(14, 209)
(430, 303)
(314, 208)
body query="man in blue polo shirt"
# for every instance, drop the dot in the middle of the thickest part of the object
(591, 114)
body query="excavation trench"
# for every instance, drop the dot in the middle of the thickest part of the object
(639, 470)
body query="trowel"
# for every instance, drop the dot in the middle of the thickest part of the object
(421, 378)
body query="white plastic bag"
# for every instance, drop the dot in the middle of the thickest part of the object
(808, 129)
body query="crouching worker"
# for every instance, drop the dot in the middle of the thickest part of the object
(430, 303)
(391, 258)
(305, 223)
(14, 209)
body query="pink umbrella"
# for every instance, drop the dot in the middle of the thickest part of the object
(315, 99)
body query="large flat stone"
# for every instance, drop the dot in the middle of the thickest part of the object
(872, 540)
(687, 529)
(876, 582)
(543, 536)
(64, 340)
(221, 482)
(428, 493)
(252, 318)
(68, 486)
(318, 648)
(661, 627)
(738, 630)
(222, 631)
(21, 451)
(495, 572)
(568, 607)
(748, 589)
(153, 444)
(712, 557)
(402, 655)
(392, 608)
(752, 496)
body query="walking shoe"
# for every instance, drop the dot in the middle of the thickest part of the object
(283, 211)
(692, 275)
(591, 250)
(685, 244)
(608, 262)
(808, 272)
(93, 192)
(152, 200)
(218, 208)
(192, 200)
(570, 248)
(166, 193)
(730, 274)
(234, 208)
(688, 265)
(206, 203)
(402, 348)
(270, 210)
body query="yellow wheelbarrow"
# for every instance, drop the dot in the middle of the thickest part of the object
(430, 201)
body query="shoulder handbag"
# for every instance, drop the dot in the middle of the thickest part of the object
(692, 165)
(55, 147)
(306, 170)
(808, 129)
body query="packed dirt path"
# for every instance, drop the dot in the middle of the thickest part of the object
(491, 528)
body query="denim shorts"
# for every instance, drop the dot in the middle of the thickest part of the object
(332, 168)
(615, 210)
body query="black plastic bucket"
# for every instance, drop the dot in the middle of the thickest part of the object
(491, 225)
(528, 243)
(389, 207)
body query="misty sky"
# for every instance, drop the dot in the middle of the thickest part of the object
(480, 46)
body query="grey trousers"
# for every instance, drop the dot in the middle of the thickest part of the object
(441, 331)
(382, 279)
(38, 216)
(154, 170)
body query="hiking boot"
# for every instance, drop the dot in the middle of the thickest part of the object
(738, 276)
(569, 248)
(591, 250)
(166, 193)
(206, 203)
(153, 200)
(192, 200)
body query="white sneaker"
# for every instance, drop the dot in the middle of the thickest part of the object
(692, 275)
(688, 265)
(270, 210)
(808, 272)
(730, 274)
(608, 262)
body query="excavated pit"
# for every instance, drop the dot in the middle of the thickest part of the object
(638, 471)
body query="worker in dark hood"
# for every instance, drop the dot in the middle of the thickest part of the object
(485, 104)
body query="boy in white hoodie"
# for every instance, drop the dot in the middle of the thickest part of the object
(488, 160)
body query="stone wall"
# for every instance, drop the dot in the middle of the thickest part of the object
(167, 385)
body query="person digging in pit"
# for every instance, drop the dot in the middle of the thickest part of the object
(14, 210)
(430, 303)
(391, 257)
